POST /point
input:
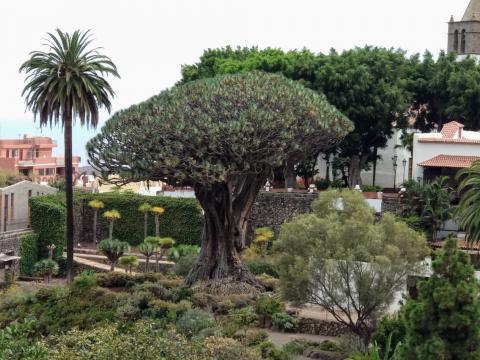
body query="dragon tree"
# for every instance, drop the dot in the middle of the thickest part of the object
(222, 136)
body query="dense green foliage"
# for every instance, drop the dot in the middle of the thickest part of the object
(46, 268)
(47, 215)
(16, 343)
(444, 323)
(468, 211)
(28, 253)
(428, 204)
(182, 219)
(355, 281)
(390, 333)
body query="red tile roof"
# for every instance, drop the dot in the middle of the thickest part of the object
(450, 161)
(450, 129)
(450, 141)
(462, 244)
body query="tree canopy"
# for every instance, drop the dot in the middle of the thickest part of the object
(223, 136)
(339, 258)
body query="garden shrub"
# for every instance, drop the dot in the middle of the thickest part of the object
(28, 253)
(48, 215)
(16, 343)
(204, 301)
(195, 323)
(143, 341)
(261, 266)
(390, 329)
(328, 345)
(268, 282)
(255, 337)
(177, 251)
(184, 264)
(161, 309)
(83, 282)
(284, 321)
(157, 290)
(117, 279)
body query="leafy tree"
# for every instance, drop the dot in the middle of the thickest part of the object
(157, 211)
(307, 169)
(223, 136)
(468, 211)
(46, 268)
(148, 249)
(111, 216)
(113, 250)
(129, 262)
(96, 205)
(65, 83)
(244, 318)
(366, 84)
(444, 322)
(339, 258)
(145, 209)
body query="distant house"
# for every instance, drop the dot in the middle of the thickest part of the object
(444, 153)
(14, 204)
(33, 157)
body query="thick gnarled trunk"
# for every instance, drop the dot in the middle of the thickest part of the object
(227, 206)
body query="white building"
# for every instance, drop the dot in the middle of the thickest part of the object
(14, 204)
(444, 153)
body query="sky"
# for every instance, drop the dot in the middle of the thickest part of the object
(149, 40)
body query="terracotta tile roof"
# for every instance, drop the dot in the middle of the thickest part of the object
(462, 244)
(450, 141)
(450, 129)
(450, 161)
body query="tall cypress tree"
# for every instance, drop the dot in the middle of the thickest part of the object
(444, 323)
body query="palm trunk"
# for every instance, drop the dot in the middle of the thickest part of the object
(147, 264)
(145, 225)
(67, 123)
(95, 220)
(157, 225)
(226, 212)
(110, 230)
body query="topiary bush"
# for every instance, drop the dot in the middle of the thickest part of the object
(47, 216)
(28, 253)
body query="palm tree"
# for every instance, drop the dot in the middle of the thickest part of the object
(145, 209)
(468, 211)
(64, 83)
(111, 216)
(157, 211)
(96, 205)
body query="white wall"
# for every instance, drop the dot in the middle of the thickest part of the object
(423, 151)
(21, 208)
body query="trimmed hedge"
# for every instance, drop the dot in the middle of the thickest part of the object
(28, 253)
(48, 216)
(182, 219)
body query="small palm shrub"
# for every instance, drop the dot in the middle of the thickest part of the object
(129, 262)
(111, 216)
(113, 250)
(46, 268)
(148, 250)
(96, 205)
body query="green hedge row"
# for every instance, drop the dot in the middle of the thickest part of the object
(47, 216)
(28, 253)
(182, 219)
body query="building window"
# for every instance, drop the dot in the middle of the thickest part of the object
(5, 212)
(37, 153)
(455, 41)
(463, 42)
(49, 172)
(41, 172)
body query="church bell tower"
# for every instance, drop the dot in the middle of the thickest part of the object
(464, 35)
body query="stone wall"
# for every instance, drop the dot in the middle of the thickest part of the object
(321, 327)
(393, 205)
(10, 241)
(273, 209)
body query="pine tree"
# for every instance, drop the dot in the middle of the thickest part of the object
(444, 323)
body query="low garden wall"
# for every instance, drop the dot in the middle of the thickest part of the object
(321, 327)
(11, 241)
(273, 209)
